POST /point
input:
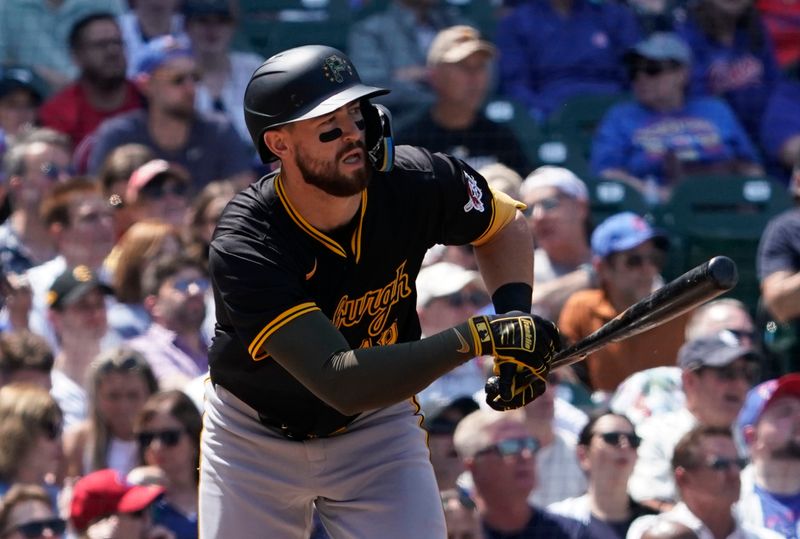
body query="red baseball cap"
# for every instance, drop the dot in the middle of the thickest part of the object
(103, 493)
(149, 172)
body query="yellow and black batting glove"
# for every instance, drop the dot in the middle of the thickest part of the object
(522, 345)
(524, 388)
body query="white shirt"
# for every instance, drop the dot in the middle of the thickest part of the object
(558, 475)
(71, 398)
(682, 515)
(652, 476)
(576, 508)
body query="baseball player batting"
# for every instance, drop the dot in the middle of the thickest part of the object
(317, 355)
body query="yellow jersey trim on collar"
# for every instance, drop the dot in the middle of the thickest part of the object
(308, 228)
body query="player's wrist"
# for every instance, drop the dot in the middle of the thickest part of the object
(481, 335)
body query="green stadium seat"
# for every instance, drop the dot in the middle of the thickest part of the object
(722, 215)
(607, 197)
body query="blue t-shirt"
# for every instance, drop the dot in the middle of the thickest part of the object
(638, 140)
(546, 57)
(781, 513)
(183, 526)
(780, 122)
(542, 525)
(743, 75)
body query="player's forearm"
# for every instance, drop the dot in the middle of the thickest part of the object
(508, 256)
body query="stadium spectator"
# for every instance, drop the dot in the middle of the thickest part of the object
(782, 20)
(142, 243)
(103, 504)
(663, 134)
(145, 21)
(17, 300)
(35, 34)
(551, 50)
(780, 128)
(728, 314)
(460, 515)
(440, 423)
(26, 512)
(170, 126)
(203, 215)
(459, 69)
(30, 438)
(159, 190)
(33, 166)
(21, 93)
(717, 372)
(25, 358)
(558, 217)
(734, 57)
(119, 381)
(778, 264)
(499, 452)
(502, 178)
(665, 529)
(706, 468)
(607, 453)
(628, 256)
(168, 430)
(174, 288)
(449, 294)
(114, 176)
(78, 317)
(101, 89)
(770, 426)
(80, 219)
(390, 48)
(210, 25)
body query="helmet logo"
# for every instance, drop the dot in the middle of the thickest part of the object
(335, 66)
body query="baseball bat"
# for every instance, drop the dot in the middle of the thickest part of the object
(693, 288)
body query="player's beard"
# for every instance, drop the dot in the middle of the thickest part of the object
(325, 175)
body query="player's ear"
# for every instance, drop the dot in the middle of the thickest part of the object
(276, 141)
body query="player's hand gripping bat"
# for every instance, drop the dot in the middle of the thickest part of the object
(693, 288)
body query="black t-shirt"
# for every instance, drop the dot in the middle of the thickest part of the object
(483, 143)
(269, 266)
(543, 525)
(779, 248)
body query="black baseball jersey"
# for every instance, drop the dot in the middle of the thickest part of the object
(269, 266)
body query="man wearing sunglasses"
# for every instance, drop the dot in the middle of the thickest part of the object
(770, 427)
(159, 190)
(716, 373)
(500, 454)
(628, 255)
(707, 469)
(663, 133)
(175, 289)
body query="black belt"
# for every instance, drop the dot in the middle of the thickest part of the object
(297, 434)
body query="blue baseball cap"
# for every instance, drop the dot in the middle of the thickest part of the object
(716, 350)
(623, 231)
(765, 393)
(661, 47)
(161, 50)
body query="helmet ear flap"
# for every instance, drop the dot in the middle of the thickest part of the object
(379, 137)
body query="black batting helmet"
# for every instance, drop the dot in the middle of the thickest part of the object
(298, 84)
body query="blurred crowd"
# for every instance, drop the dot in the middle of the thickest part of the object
(122, 139)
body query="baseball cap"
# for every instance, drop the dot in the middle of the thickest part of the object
(716, 350)
(103, 493)
(72, 285)
(192, 8)
(154, 169)
(623, 231)
(442, 279)
(662, 46)
(759, 397)
(561, 178)
(21, 78)
(454, 44)
(161, 50)
(442, 417)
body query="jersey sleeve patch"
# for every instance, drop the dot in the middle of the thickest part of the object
(256, 345)
(503, 212)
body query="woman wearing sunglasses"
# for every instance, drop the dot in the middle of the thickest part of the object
(607, 453)
(168, 434)
(30, 438)
(26, 512)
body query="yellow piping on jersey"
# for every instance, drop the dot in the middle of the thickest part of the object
(309, 229)
(504, 209)
(277, 323)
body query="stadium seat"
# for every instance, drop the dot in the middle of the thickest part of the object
(722, 215)
(607, 197)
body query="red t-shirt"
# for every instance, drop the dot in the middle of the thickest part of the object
(70, 112)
